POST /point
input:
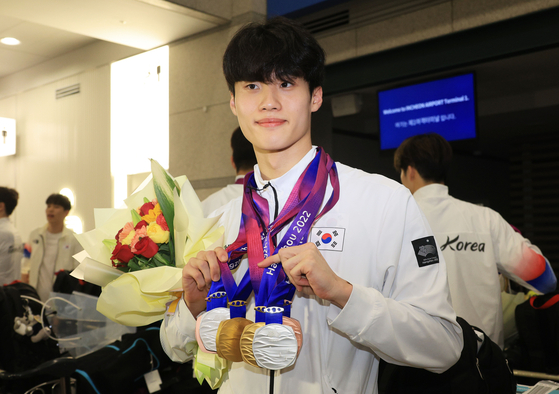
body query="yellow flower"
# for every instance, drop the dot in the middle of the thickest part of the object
(129, 237)
(157, 234)
(153, 213)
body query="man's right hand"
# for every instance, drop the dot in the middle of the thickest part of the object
(198, 275)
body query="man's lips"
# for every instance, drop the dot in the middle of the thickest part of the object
(270, 122)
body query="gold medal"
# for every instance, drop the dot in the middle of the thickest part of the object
(228, 338)
(246, 343)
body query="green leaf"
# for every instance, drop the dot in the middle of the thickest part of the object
(159, 258)
(136, 218)
(164, 185)
(133, 266)
(146, 200)
(141, 259)
(110, 244)
(172, 250)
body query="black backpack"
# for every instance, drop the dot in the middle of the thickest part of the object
(17, 352)
(119, 367)
(483, 372)
(66, 283)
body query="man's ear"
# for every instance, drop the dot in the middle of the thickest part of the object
(2, 207)
(232, 104)
(411, 173)
(316, 99)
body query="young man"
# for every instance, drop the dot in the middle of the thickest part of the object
(243, 161)
(11, 247)
(477, 243)
(363, 292)
(52, 247)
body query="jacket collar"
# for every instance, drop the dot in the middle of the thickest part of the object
(43, 231)
(285, 183)
(287, 180)
(434, 190)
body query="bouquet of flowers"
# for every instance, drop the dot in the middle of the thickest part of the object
(136, 254)
(144, 242)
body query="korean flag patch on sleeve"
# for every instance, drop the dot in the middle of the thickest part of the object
(426, 251)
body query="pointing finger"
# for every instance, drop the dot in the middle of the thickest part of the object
(269, 261)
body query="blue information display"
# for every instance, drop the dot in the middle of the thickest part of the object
(445, 106)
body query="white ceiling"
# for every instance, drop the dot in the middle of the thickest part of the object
(49, 28)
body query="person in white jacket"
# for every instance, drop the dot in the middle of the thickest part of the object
(52, 247)
(477, 243)
(365, 288)
(11, 247)
(243, 161)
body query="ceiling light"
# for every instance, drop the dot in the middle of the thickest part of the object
(10, 41)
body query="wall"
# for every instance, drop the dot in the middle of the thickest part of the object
(60, 143)
(380, 26)
(200, 119)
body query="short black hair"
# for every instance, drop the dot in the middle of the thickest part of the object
(243, 152)
(430, 154)
(9, 197)
(59, 199)
(277, 49)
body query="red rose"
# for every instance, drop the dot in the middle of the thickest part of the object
(146, 247)
(122, 253)
(141, 224)
(117, 234)
(144, 209)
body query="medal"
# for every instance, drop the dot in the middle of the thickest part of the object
(275, 345)
(207, 325)
(246, 343)
(296, 327)
(220, 328)
(228, 338)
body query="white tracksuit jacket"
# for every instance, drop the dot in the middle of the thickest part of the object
(398, 310)
(222, 196)
(477, 244)
(68, 246)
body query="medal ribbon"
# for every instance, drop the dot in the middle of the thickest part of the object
(226, 282)
(283, 293)
(271, 284)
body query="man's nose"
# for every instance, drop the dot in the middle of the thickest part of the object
(270, 99)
